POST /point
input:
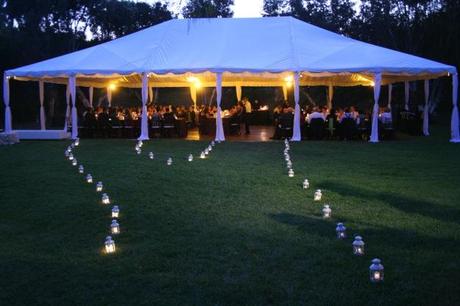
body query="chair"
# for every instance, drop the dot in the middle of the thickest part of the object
(168, 125)
(235, 125)
(316, 128)
(155, 128)
(285, 126)
(349, 128)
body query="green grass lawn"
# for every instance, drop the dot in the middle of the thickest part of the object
(232, 229)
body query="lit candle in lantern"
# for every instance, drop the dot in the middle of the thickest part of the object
(358, 246)
(169, 161)
(306, 184)
(287, 157)
(115, 211)
(89, 178)
(318, 195)
(81, 169)
(376, 271)
(77, 142)
(289, 164)
(72, 145)
(327, 211)
(109, 245)
(213, 143)
(115, 227)
(291, 173)
(70, 156)
(209, 148)
(66, 153)
(202, 155)
(190, 158)
(138, 151)
(69, 149)
(151, 155)
(105, 199)
(140, 143)
(99, 186)
(74, 162)
(341, 231)
(206, 151)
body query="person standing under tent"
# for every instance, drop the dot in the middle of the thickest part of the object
(247, 110)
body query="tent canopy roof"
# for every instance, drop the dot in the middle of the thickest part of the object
(249, 51)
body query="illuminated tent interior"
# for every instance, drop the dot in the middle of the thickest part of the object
(272, 51)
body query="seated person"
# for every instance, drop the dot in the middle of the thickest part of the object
(316, 114)
(385, 116)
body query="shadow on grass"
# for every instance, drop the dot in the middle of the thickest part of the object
(398, 201)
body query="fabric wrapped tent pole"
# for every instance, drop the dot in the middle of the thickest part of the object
(151, 98)
(426, 110)
(109, 96)
(193, 95)
(6, 100)
(41, 93)
(219, 126)
(406, 95)
(67, 109)
(239, 91)
(296, 135)
(375, 111)
(91, 96)
(454, 125)
(73, 96)
(285, 92)
(390, 93)
(144, 122)
(330, 96)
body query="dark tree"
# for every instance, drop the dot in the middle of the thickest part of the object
(208, 8)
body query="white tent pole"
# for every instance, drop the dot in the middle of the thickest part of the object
(454, 126)
(375, 112)
(91, 95)
(193, 95)
(6, 100)
(67, 110)
(285, 92)
(219, 126)
(41, 93)
(330, 96)
(390, 93)
(144, 122)
(296, 135)
(238, 92)
(109, 96)
(426, 113)
(406, 95)
(73, 96)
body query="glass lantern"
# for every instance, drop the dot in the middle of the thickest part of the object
(358, 246)
(376, 271)
(140, 143)
(206, 151)
(81, 169)
(69, 149)
(190, 158)
(341, 231)
(89, 178)
(287, 157)
(169, 161)
(66, 153)
(209, 148)
(327, 211)
(139, 151)
(137, 148)
(74, 162)
(77, 142)
(105, 199)
(306, 184)
(318, 195)
(115, 211)
(115, 227)
(213, 143)
(109, 245)
(151, 155)
(99, 186)
(291, 173)
(289, 164)
(70, 156)
(72, 145)
(202, 155)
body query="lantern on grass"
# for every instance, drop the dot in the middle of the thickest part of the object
(291, 173)
(70, 156)
(66, 153)
(213, 143)
(77, 142)
(151, 155)
(202, 155)
(81, 169)
(289, 164)
(190, 158)
(209, 148)
(115, 211)
(115, 227)
(318, 195)
(306, 184)
(376, 271)
(287, 157)
(137, 147)
(99, 186)
(206, 151)
(140, 143)
(105, 199)
(74, 162)
(89, 178)
(169, 161)
(341, 231)
(69, 149)
(109, 245)
(358, 246)
(138, 151)
(72, 145)
(327, 211)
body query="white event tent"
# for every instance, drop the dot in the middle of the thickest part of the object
(272, 51)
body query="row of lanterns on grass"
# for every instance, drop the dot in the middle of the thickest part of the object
(115, 212)
(376, 269)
